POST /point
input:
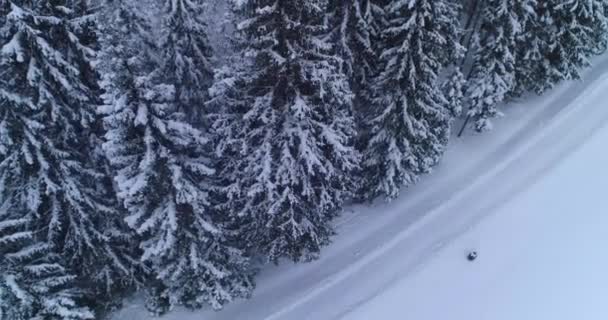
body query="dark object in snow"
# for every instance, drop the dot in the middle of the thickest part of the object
(472, 255)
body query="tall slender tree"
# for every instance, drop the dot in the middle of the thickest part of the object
(34, 283)
(493, 73)
(579, 31)
(355, 28)
(46, 172)
(453, 89)
(531, 65)
(163, 173)
(5, 7)
(558, 42)
(284, 119)
(186, 55)
(409, 123)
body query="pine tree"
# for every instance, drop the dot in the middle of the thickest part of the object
(84, 22)
(46, 171)
(109, 288)
(355, 28)
(579, 31)
(531, 45)
(186, 55)
(409, 125)
(453, 89)
(493, 74)
(285, 129)
(33, 282)
(5, 8)
(559, 41)
(163, 174)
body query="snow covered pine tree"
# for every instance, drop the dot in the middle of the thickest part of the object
(531, 65)
(109, 286)
(578, 31)
(354, 33)
(162, 172)
(355, 27)
(53, 214)
(34, 284)
(186, 55)
(453, 88)
(493, 73)
(409, 122)
(285, 125)
(531, 45)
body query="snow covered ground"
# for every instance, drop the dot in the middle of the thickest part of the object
(528, 196)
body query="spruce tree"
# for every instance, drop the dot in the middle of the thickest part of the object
(109, 289)
(531, 44)
(493, 73)
(409, 123)
(355, 27)
(163, 174)
(579, 29)
(453, 89)
(186, 55)
(46, 170)
(34, 283)
(285, 129)
(5, 7)
(558, 42)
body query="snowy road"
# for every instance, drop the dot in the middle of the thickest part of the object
(382, 248)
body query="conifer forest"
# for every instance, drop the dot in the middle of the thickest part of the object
(172, 148)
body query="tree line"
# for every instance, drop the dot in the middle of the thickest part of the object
(131, 159)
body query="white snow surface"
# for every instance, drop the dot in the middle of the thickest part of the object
(529, 197)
